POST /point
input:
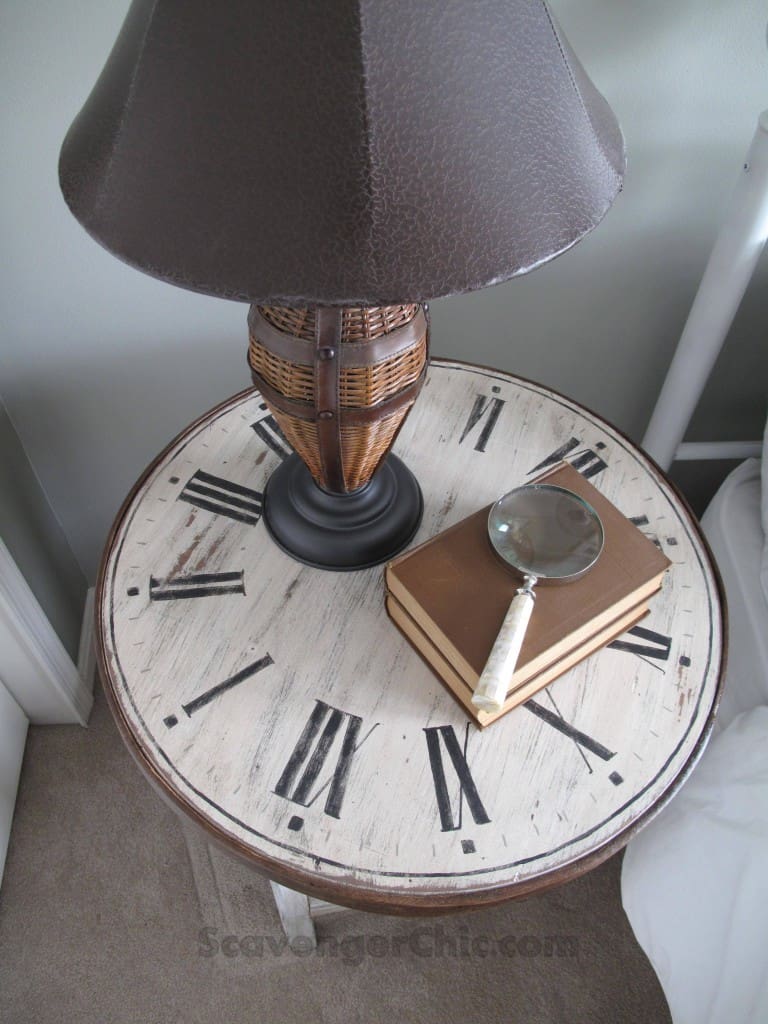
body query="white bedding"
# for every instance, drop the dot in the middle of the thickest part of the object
(695, 883)
(733, 527)
(695, 880)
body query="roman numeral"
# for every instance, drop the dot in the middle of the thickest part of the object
(586, 461)
(642, 521)
(223, 497)
(311, 753)
(582, 740)
(557, 721)
(199, 584)
(216, 691)
(484, 408)
(268, 429)
(657, 645)
(467, 787)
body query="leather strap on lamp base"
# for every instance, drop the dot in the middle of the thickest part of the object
(343, 532)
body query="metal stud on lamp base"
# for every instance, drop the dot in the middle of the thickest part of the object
(339, 382)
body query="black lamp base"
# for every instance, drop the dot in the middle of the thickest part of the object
(342, 532)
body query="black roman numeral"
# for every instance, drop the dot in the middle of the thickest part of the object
(642, 521)
(656, 645)
(557, 721)
(582, 740)
(467, 787)
(223, 497)
(484, 408)
(586, 461)
(268, 429)
(297, 788)
(207, 696)
(199, 584)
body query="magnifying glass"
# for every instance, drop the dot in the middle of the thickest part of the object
(549, 535)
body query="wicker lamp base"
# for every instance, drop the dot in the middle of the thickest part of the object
(339, 382)
(343, 531)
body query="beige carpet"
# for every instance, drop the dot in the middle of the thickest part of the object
(106, 916)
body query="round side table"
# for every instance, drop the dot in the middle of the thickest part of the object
(278, 706)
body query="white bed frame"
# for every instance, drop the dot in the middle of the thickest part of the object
(686, 937)
(728, 272)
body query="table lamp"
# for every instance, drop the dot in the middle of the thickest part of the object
(336, 165)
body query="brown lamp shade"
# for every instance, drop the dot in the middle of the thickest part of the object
(357, 152)
(336, 164)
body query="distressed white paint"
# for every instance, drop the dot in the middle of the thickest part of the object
(329, 639)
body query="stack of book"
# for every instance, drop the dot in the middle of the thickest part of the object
(449, 596)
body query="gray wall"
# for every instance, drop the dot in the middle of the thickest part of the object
(102, 365)
(36, 541)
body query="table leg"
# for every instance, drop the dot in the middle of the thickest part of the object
(293, 908)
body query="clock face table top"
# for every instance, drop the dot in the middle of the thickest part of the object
(278, 706)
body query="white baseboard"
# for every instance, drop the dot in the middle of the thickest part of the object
(37, 670)
(13, 733)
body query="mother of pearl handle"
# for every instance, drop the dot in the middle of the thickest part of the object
(491, 690)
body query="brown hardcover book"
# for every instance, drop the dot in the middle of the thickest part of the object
(463, 691)
(457, 589)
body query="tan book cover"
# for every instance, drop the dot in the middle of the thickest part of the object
(462, 690)
(457, 589)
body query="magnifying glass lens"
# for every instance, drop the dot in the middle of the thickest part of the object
(545, 531)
